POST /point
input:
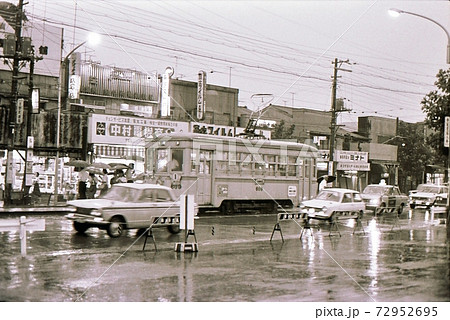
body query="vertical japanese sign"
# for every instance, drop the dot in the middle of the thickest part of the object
(74, 76)
(201, 95)
(165, 97)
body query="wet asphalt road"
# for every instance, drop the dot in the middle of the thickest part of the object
(236, 261)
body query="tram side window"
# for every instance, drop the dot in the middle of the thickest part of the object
(163, 160)
(194, 161)
(282, 166)
(307, 168)
(261, 164)
(222, 162)
(205, 162)
(291, 166)
(246, 162)
(177, 160)
(271, 162)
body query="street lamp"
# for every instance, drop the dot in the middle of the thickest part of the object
(93, 39)
(396, 12)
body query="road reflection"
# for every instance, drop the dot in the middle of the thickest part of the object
(235, 263)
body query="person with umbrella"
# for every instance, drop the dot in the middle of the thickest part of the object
(83, 176)
(104, 182)
(91, 186)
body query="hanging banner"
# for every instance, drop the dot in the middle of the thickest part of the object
(201, 95)
(165, 97)
(74, 75)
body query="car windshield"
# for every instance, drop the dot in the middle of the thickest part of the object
(121, 193)
(428, 189)
(329, 195)
(374, 190)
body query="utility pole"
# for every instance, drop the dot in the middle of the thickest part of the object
(13, 102)
(21, 51)
(333, 126)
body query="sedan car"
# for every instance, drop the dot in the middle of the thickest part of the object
(379, 196)
(426, 194)
(334, 203)
(127, 206)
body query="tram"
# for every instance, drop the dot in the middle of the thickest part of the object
(233, 174)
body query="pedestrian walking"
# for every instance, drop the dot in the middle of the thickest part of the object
(83, 176)
(104, 186)
(130, 173)
(91, 186)
(36, 193)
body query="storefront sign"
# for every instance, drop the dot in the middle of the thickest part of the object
(132, 131)
(224, 131)
(350, 166)
(351, 156)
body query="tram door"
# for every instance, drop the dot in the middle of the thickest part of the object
(204, 177)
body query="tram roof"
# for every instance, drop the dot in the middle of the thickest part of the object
(214, 138)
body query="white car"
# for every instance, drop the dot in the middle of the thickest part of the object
(334, 203)
(128, 206)
(426, 194)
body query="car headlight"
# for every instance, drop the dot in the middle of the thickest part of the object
(375, 201)
(96, 213)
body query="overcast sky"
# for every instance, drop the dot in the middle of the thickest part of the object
(284, 48)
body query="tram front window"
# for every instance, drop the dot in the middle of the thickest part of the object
(177, 160)
(163, 160)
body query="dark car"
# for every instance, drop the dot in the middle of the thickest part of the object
(380, 196)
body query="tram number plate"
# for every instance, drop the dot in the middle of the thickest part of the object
(292, 191)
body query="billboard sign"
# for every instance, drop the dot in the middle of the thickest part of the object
(123, 130)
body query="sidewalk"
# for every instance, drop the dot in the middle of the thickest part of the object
(59, 207)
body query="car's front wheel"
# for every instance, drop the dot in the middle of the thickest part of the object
(400, 209)
(116, 227)
(80, 227)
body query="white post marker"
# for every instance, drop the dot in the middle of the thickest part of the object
(187, 215)
(24, 225)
